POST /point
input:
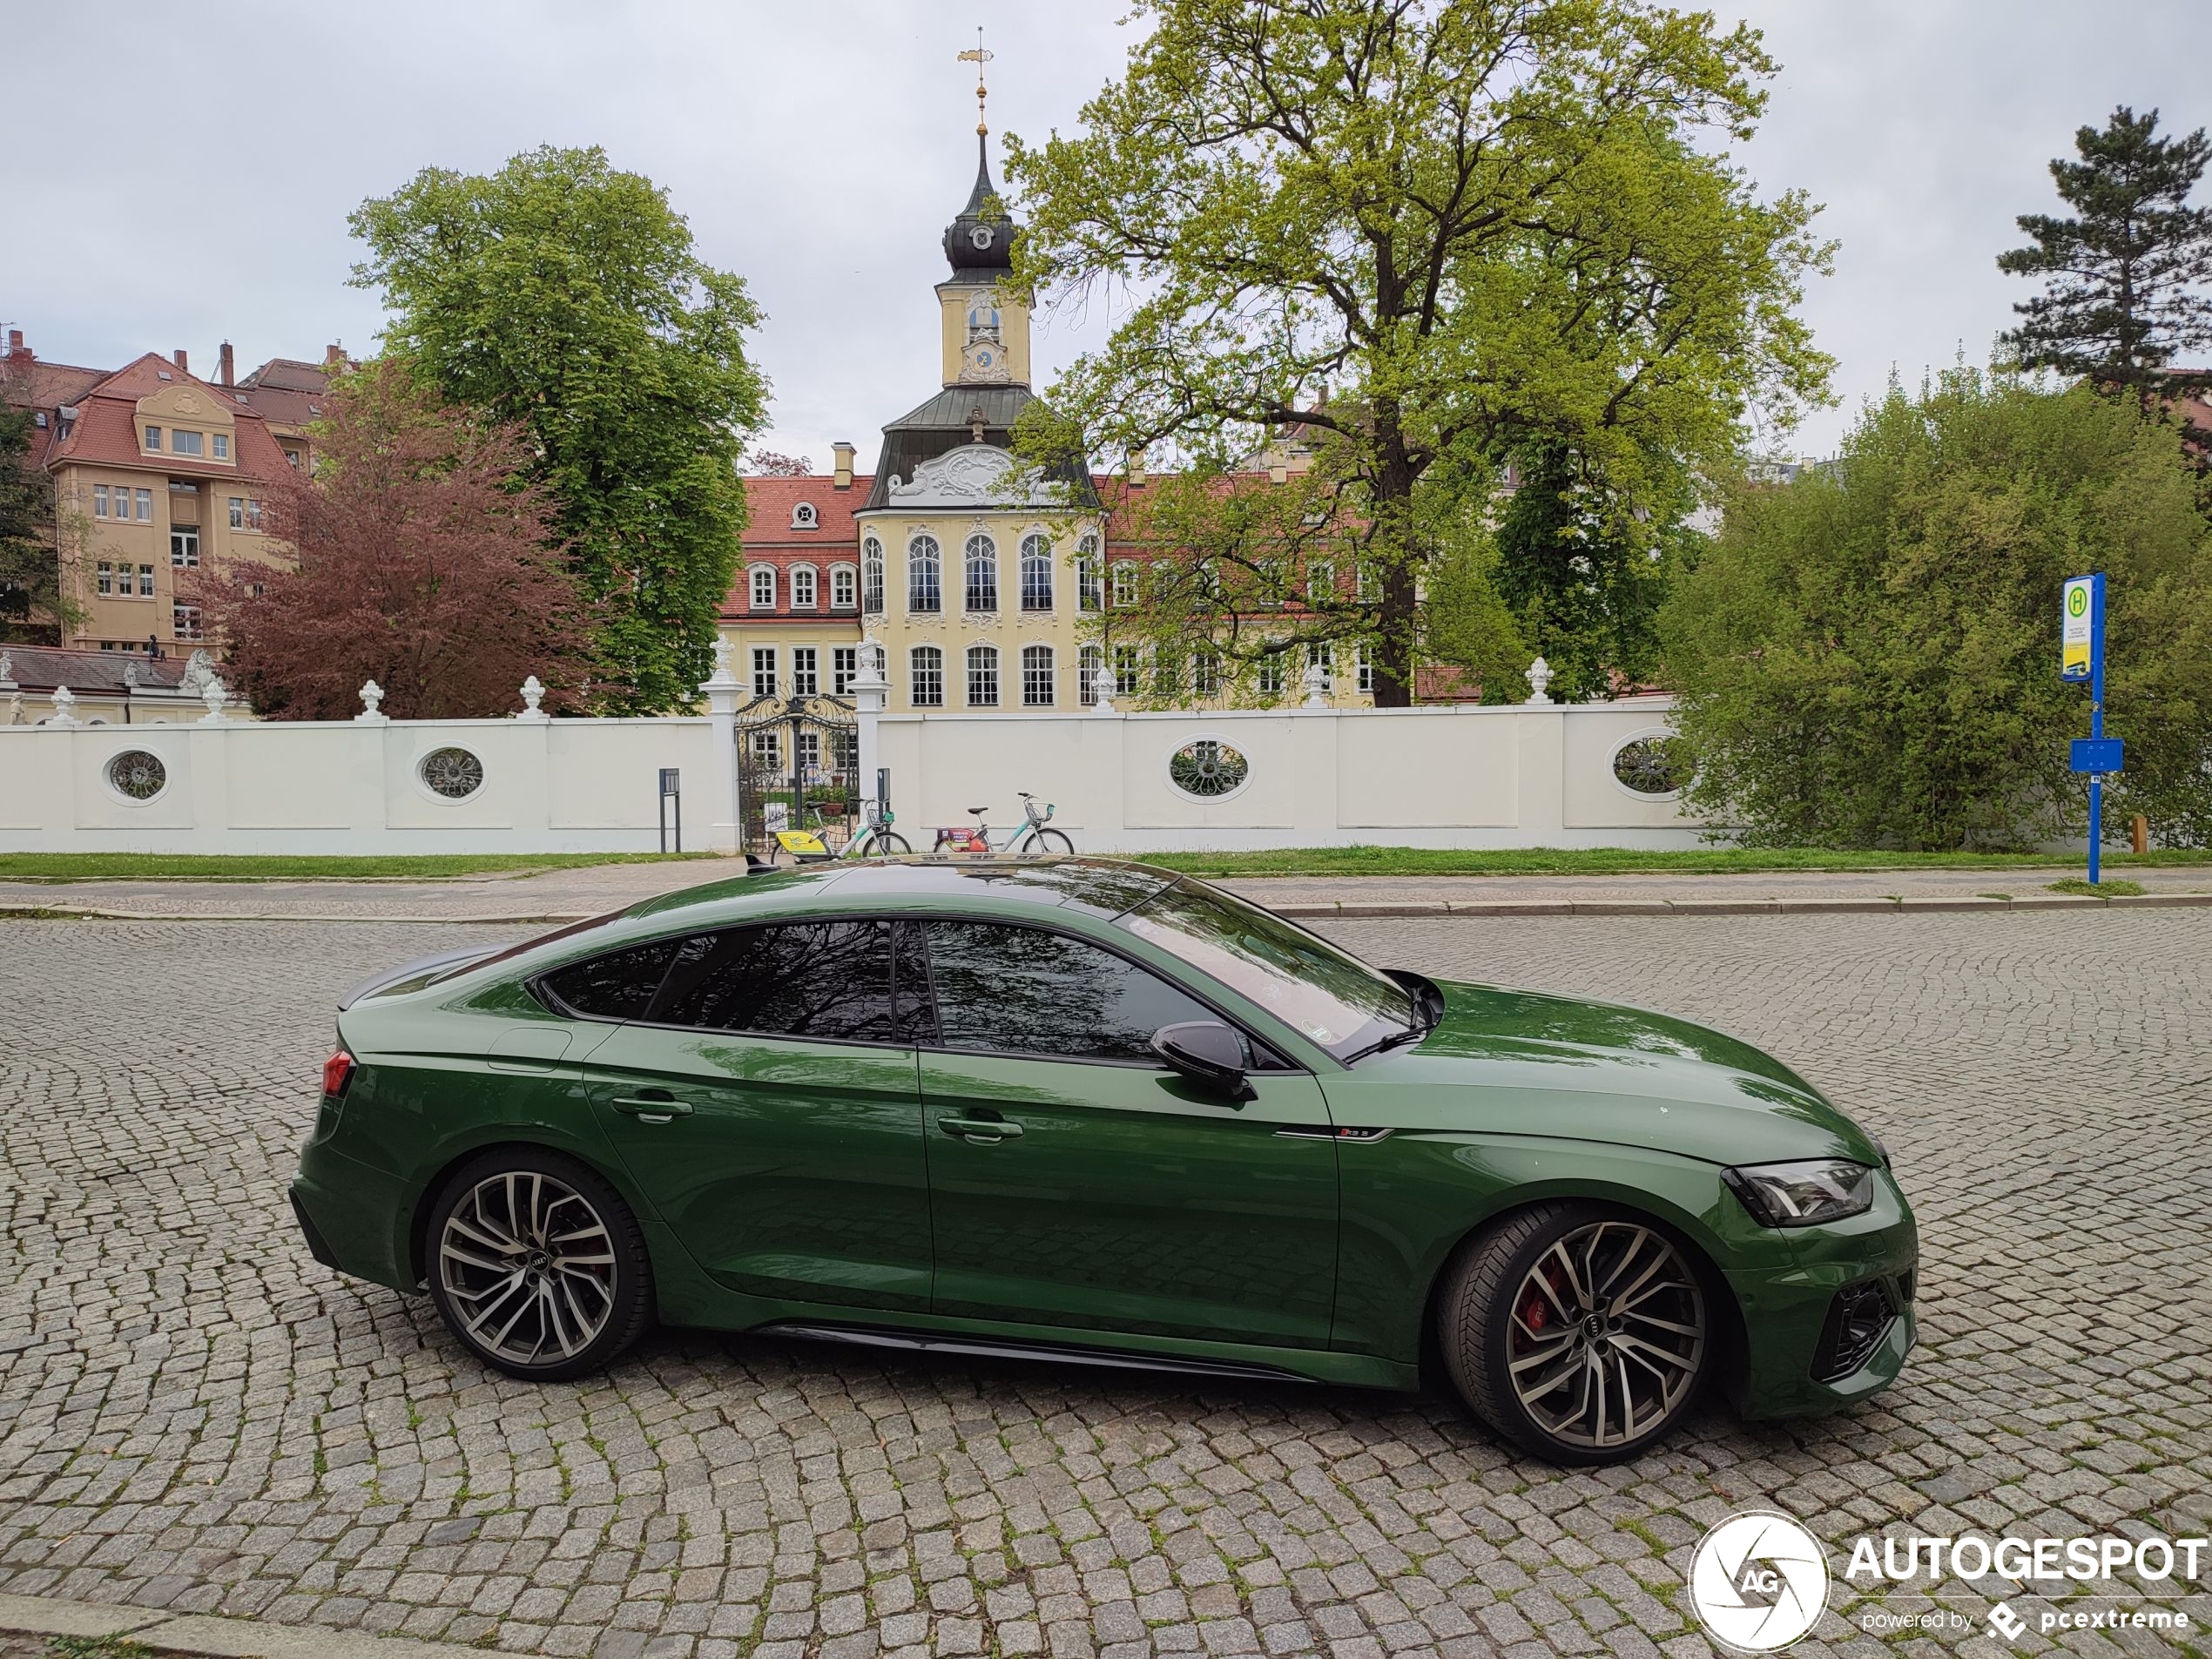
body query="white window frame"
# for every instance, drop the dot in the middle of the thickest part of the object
(871, 574)
(804, 517)
(1128, 670)
(221, 443)
(981, 660)
(764, 670)
(812, 586)
(845, 587)
(980, 552)
(1090, 575)
(1124, 584)
(925, 557)
(99, 502)
(1036, 561)
(1039, 667)
(760, 577)
(934, 666)
(1088, 660)
(805, 670)
(844, 668)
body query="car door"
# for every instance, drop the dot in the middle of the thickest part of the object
(766, 1104)
(1074, 1180)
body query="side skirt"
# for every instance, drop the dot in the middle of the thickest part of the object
(1053, 1353)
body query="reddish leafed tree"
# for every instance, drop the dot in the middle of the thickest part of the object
(766, 463)
(424, 564)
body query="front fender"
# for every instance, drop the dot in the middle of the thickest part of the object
(1409, 1199)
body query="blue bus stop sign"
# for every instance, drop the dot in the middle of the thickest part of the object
(2095, 754)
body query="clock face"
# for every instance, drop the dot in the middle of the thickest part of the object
(980, 235)
(983, 360)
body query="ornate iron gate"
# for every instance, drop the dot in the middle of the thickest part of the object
(798, 765)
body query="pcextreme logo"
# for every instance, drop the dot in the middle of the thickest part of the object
(1759, 1582)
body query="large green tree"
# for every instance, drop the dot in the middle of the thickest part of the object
(1585, 595)
(32, 602)
(1869, 657)
(565, 295)
(1414, 233)
(2126, 274)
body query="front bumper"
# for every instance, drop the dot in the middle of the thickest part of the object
(1786, 1310)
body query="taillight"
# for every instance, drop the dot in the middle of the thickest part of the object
(337, 1072)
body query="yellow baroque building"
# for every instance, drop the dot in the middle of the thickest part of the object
(980, 581)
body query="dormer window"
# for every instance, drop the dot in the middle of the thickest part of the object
(153, 437)
(803, 516)
(802, 588)
(222, 443)
(764, 589)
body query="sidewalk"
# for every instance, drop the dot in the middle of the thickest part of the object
(554, 896)
(26, 1622)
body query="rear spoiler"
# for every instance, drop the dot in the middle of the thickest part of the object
(420, 966)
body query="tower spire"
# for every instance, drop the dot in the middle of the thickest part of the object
(979, 58)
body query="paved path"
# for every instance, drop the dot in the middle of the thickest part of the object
(195, 1417)
(566, 894)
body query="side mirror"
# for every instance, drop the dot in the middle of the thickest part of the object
(1209, 1054)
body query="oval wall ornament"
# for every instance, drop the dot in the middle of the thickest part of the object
(136, 775)
(1208, 769)
(451, 773)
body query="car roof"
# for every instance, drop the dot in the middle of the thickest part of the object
(1095, 887)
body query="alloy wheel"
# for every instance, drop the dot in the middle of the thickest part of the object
(1606, 1334)
(528, 1266)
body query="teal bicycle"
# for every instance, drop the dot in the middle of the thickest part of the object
(1032, 838)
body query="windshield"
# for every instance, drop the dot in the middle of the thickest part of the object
(1331, 995)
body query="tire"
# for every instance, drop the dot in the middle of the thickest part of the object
(1051, 840)
(892, 843)
(1573, 1378)
(579, 1291)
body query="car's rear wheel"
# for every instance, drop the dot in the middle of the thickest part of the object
(1581, 1331)
(537, 1265)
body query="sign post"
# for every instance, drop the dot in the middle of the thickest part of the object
(671, 789)
(2081, 656)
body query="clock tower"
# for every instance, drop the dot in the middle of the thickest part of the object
(986, 329)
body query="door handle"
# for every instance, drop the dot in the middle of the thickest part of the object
(650, 1108)
(986, 1129)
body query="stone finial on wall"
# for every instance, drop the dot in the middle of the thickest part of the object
(723, 672)
(372, 696)
(215, 695)
(7, 673)
(1102, 688)
(1316, 680)
(64, 707)
(533, 693)
(1539, 674)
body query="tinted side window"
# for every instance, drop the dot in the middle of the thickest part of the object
(619, 986)
(828, 980)
(1020, 990)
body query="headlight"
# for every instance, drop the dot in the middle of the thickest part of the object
(1803, 1195)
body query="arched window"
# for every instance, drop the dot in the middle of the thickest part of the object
(1036, 573)
(1036, 676)
(982, 676)
(764, 588)
(871, 577)
(922, 591)
(845, 587)
(802, 587)
(1089, 592)
(983, 592)
(1124, 583)
(926, 676)
(1088, 661)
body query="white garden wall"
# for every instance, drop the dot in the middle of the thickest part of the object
(1522, 775)
(1525, 775)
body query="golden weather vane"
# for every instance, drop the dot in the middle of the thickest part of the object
(979, 58)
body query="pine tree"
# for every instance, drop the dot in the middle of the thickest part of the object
(2123, 290)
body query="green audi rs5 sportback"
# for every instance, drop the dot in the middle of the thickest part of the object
(1100, 1113)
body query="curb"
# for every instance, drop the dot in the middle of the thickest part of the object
(1352, 910)
(1332, 910)
(207, 1637)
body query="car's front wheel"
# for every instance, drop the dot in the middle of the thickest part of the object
(1580, 1331)
(537, 1265)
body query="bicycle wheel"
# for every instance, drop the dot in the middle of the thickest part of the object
(1051, 840)
(889, 844)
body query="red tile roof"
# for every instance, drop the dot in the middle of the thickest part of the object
(768, 504)
(41, 668)
(106, 430)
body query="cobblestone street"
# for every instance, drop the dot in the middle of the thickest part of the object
(194, 1415)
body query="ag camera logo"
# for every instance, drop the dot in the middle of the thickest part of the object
(1759, 1582)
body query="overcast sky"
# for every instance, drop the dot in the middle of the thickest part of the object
(182, 174)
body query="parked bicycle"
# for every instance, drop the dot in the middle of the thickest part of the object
(810, 845)
(1032, 837)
